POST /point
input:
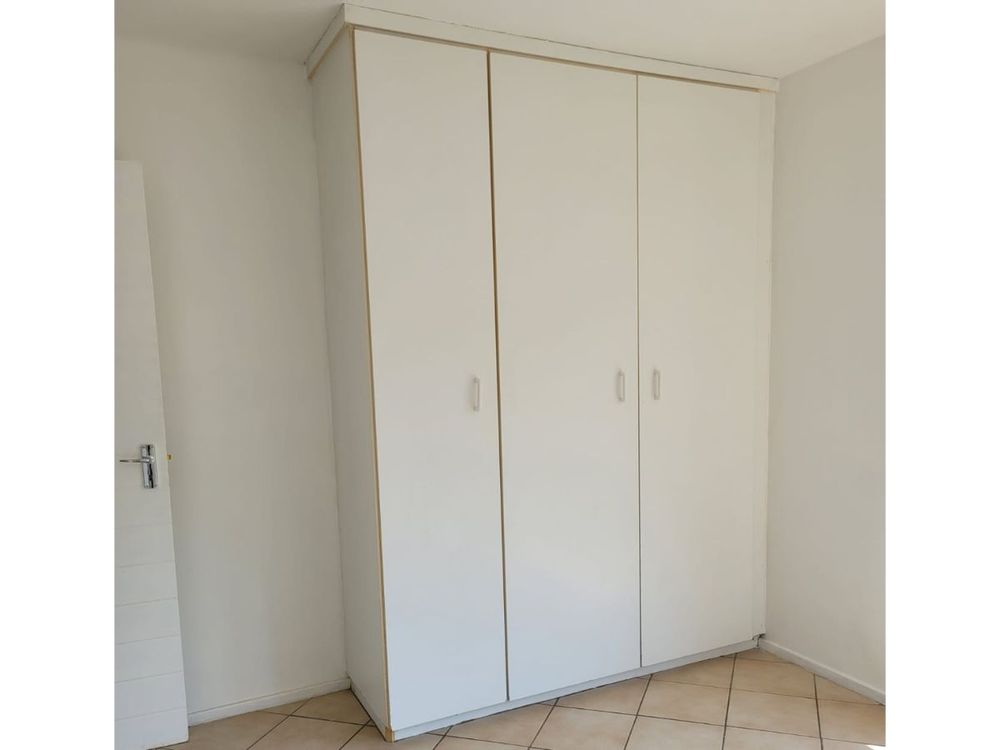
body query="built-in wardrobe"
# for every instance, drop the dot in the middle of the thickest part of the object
(548, 305)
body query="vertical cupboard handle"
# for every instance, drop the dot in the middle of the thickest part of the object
(621, 385)
(656, 384)
(475, 394)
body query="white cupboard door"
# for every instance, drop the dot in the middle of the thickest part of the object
(423, 112)
(701, 322)
(150, 699)
(565, 211)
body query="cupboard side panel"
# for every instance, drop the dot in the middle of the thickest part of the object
(765, 194)
(350, 373)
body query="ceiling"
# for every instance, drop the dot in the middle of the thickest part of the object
(764, 37)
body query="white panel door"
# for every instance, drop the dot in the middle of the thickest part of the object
(700, 322)
(564, 182)
(150, 701)
(424, 125)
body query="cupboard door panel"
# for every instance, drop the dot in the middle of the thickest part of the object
(701, 324)
(565, 212)
(424, 129)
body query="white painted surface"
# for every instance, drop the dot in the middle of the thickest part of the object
(699, 327)
(227, 150)
(276, 29)
(826, 522)
(564, 178)
(766, 37)
(350, 374)
(150, 704)
(425, 154)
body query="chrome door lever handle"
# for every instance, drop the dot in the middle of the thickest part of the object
(147, 461)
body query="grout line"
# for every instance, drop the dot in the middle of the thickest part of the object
(767, 692)
(595, 710)
(491, 742)
(729, 700)
(684, 721)
(266, 733)
(357, 733)
(771, 731)
(320, 718)
(649, 679)
(710, 724)
(598, 710)
(819, 724)
(542, 725)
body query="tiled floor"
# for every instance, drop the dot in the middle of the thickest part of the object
(753, 701)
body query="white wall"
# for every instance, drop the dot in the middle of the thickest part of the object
(826, 514)
(230, 167)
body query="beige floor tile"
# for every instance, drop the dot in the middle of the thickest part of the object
(460, 743)
(667, 734)
(286, 708)
(853, 722)
(670, 700)
(517, 727)
(236, 733)
(621, 697)
(370, 739)
(759, 654)
(831, 691)
(307, 734)
(753, 739)
(339, 706)
(773, 677)
(442, 730)
(578, 729)
(840, 745)
(775, 713)
(711, 672)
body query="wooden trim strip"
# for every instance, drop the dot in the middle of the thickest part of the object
(496, 342)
